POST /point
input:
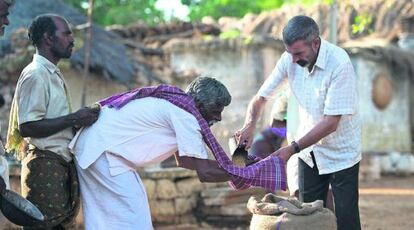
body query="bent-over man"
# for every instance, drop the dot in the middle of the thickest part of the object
(144, 131)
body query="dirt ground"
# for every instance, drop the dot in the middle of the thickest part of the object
(387, 203)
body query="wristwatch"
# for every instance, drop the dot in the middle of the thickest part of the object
(295, 146)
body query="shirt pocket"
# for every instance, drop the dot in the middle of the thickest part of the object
(320, 95)
(58, 103)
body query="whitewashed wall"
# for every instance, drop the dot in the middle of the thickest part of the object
(389, 129)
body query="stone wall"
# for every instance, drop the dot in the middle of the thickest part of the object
(173, 195)
(178, 200)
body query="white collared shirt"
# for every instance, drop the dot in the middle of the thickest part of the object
(143, 132)
(329, 89)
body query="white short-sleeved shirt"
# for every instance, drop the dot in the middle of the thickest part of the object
(41, 94)
(143, 132)
(329, 89)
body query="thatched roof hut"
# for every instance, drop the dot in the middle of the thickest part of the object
(108, 55)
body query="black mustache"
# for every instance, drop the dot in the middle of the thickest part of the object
(302, 63)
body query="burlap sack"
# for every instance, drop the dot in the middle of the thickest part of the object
(274, 212)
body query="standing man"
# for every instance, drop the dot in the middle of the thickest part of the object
(41, 113)
(4, 169)
(323, 81)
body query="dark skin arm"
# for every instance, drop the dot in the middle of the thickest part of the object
(207, 170)
(46, 127)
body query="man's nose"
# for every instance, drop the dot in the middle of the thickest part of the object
(6, 21)
(218, 117)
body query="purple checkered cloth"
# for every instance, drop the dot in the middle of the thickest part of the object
(268, 173)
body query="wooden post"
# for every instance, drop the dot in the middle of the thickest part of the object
(87, 59)
(333, 11)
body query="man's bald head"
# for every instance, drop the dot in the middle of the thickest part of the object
(45, 23)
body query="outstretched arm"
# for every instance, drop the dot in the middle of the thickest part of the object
(46, 127)
(207, 170)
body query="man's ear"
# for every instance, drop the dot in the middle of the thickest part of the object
(316, 43)
(199, 105)
(48, 39)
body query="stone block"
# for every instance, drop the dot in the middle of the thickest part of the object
(166, 220)
(187, 187)
(149, 188)
(185, 205)
(165, 189)
(235, 210)
(370, 168)
(179, 227)
(189, 220)
(162, 208)
(228, 196)
(167, 173)
(397, 163)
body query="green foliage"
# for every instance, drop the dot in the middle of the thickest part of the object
(233, 8)
(362, 24)
(230, 34)
(307, 2)
(108, 12)
(248, 40)
(238, 8)
(208, 37)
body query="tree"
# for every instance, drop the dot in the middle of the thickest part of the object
(233, 8)
(109, 12)
(237, 8)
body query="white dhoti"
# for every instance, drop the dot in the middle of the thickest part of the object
(113, 202)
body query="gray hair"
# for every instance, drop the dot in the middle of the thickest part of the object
(300, 28)
(208, 91)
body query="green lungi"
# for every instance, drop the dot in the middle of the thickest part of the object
(51, 183)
